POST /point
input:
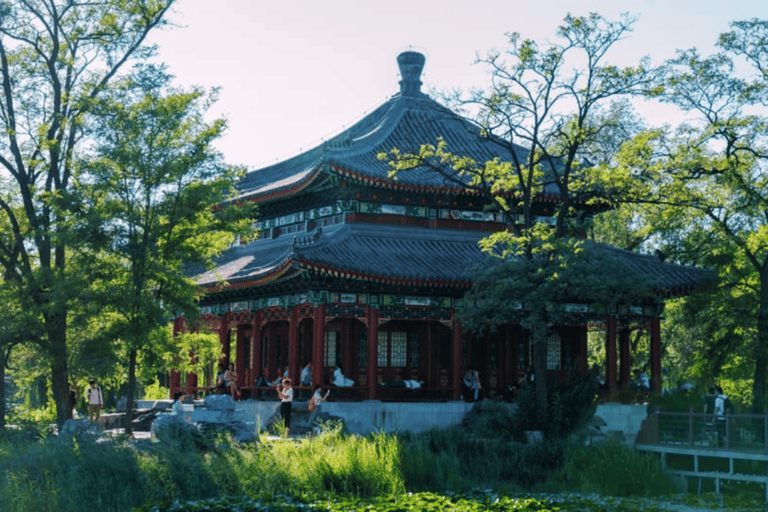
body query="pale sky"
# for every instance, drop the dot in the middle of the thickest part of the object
(293, 73)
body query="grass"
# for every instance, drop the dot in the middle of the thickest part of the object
(191, 470)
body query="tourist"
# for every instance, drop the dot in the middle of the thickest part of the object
(408, 383)
(340, 380)
(220, 378)
(317, 397)
(262, 381)
(177, 408)
(471, 383)
(286, 398)
(641, 382)
(280, 377)
(95, 401)
(723, 407)
(306, 374)
(708, 402)
(230, 381)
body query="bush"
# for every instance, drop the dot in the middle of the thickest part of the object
(489, 419)
(569, 405)
(612, 469)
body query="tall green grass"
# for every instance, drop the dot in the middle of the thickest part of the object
(612, 469)
(184, 464)
(62, 475)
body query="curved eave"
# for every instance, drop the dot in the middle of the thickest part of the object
(395, 185)
(281, 271)
(362, 276)
(285, 192)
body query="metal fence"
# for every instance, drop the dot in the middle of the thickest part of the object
(747, 432)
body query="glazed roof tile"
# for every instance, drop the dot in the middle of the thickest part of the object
(404, 254)
(403, 122)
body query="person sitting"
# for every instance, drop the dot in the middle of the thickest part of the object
(279, 380)
(177, 409)
(262, 382)
(229, 377)
(471, 383)
(306, 374)
(340, 380)
(221, 388)
(407, 383)
(641, 382)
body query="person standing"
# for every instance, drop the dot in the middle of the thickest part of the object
(723, 407)
(286, 399)
(95, 401)
(317, 397)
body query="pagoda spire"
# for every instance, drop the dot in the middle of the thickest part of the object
(411, 64)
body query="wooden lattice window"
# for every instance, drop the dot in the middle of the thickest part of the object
(332, 347)
(553, 351)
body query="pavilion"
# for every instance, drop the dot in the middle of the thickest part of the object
(355, 270)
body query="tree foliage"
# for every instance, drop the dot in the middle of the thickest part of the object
(56, 58)
(553, 107)
(150, 203)
(706, 183)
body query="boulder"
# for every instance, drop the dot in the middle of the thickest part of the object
(162, 420)
(219, 403)
(81, 430)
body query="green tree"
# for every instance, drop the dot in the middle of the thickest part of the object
(553, 107)
(151, 203)
(708, 181)
(56, 58)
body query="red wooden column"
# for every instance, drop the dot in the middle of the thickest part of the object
(624, 358)
(256, 364)
(610, 356)
(293, 344)
(175, 377)
(372, 317)
(224, 338)
(191, 383)
(456, 359)
(656, 354)
(318, 344)
(241, 352)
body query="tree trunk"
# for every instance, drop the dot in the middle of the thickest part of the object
(131, 386)
(761, 347)
(540, 367)
(56, 325)
(2, 391)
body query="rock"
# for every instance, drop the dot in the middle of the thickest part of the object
(143, 423)
(597, 421)
(242, 431)
(163, 420)
(81, 430)
(219, 403)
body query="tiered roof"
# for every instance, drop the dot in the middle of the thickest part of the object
(403, 253)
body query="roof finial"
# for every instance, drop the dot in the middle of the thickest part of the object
(411, 64)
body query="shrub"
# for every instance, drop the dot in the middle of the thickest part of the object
(489, 419)
(569, 404)
(613, 469)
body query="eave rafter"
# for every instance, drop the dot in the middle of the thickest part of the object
(395, 185)
(361, 276)
(281, 271)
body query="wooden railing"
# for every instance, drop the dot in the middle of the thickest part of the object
(743, 432)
